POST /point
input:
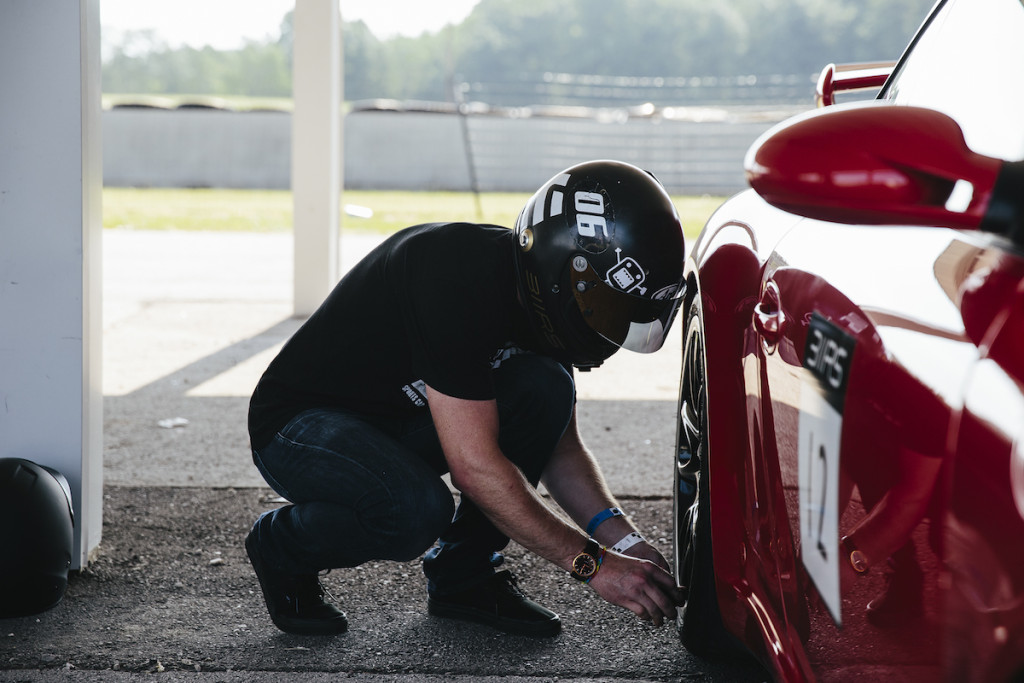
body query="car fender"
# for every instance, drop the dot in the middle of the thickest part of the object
(725, 270)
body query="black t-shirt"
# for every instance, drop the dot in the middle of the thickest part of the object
(433, 304)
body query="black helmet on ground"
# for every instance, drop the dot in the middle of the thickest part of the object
(600, 262)
(36, 537)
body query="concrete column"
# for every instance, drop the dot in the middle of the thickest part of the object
(316, 150)
(51, 401)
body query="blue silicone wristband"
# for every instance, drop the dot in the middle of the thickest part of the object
(601, 517)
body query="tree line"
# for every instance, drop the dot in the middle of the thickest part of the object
(527, 43)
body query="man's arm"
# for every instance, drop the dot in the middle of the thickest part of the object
(468, 432)
(575, 481)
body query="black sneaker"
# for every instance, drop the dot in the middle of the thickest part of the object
(295, 602)
(902, 600)
(498, 603)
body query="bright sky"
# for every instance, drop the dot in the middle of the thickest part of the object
(225, 24)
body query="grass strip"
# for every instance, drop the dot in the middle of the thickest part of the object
(271, 210)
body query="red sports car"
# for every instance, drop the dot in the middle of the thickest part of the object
(849, 482)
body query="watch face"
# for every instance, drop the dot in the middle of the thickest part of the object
(585, 565)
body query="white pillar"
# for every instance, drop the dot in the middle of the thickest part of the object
(316, 150)
(51, 403)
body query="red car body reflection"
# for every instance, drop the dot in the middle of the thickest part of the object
(849, 482)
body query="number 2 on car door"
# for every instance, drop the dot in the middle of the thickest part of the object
(827, 360)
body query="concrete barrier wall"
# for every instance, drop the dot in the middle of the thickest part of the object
(419, 150)
(196, 148)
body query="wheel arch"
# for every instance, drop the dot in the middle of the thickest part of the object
(724, 275)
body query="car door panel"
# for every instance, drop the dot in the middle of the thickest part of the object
(858, 317)
(985, 520)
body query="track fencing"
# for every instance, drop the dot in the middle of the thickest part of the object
(438, 146)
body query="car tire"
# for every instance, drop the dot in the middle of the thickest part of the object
(699, 621)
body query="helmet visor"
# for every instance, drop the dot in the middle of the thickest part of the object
(632, 322)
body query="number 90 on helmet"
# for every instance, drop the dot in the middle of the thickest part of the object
(599, 262)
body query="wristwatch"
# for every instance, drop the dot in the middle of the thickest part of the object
(586, 564)
(858, 560)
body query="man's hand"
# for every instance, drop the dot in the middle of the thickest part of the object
(468, 431)
(645, 551)
(641, 586)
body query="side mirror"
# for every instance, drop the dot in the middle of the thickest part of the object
(880, 163)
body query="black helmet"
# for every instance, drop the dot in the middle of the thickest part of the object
(36, 537)
(600, 262)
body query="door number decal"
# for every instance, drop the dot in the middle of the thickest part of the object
(827, 357)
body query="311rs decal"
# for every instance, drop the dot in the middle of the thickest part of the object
(827, 360)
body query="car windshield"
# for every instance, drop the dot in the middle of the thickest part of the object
(969, 64)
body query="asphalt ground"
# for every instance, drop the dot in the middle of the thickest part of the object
(190, 322)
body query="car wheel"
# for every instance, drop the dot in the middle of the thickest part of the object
(699, 621)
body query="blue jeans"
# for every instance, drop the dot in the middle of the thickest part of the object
(367, 487)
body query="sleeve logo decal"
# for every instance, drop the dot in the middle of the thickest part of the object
(416, 392)
(827, 358)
